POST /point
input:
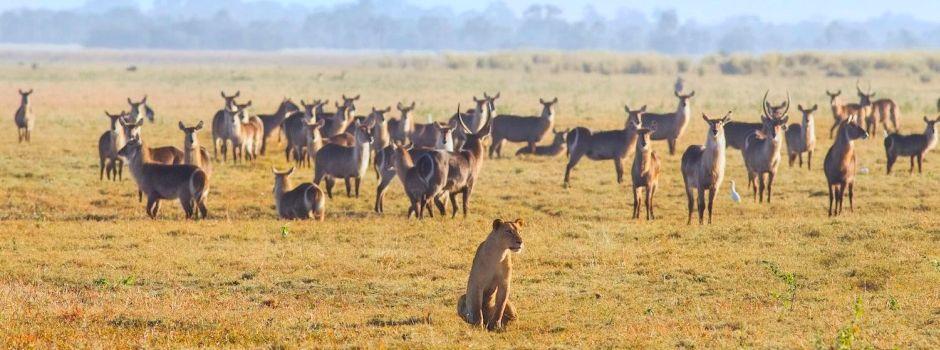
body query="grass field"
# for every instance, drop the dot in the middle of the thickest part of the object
(82, 266)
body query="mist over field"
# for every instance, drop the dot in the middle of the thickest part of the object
(675, 27)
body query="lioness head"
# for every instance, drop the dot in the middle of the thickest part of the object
(507, 232)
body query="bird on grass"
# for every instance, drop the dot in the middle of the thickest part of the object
(735, 197)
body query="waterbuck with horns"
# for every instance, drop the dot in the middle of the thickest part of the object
(762, 154)
(703, 167)
(736, 133)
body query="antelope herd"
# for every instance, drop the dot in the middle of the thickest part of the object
(438, 161)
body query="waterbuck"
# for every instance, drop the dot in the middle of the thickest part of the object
(671, 126)
(613, 145)
(840, 162)
(558, 146)
(862, 109)
(220, 130)
(838, 111)
(736, 133)
(881, 111)
(386, 168)
(109, 144)
(193, 153)
(484, 110)
(140, 110)
(645, 172)
(399, 130)
(762, 154)
(801, 138)
(338, 122)
(529, 129)
(189, 183)
(423, 178)
(703, 167)
(334, 161)
(464, 166)
(161, 155)
(24, 118)
(914, 145)
(296, 127)
(245, 132)
(302, 202)
(272, 122)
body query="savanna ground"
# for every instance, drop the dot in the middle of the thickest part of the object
(82, 266)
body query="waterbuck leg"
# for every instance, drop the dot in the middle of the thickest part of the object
(711, 200)
(701, 205)
(809, 160)
(358, 182)
(830, 200)
(348, 187)
(851, 186)
(618, 166)
(770, 185)
(688, 194)
(636, 204)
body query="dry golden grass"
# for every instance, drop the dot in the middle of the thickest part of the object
(82, 266)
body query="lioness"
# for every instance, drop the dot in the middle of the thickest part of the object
(491, 277)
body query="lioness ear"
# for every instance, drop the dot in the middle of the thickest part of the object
(520, 222)
(497, 223)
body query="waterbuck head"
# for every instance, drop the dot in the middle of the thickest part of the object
(778, 111)
(281, 179)
(807, 113)
(405, 110)
(716, 127)
(241, 115)
(139, 109)
(479, 136)
(445, 136)
(852, 128)
(480, 105)
(287, 106)
(310, 110)
(643, 137)
(24, 96)
(864, 99)
(131, 149)
(377, 116)
(491, 101)
(189, 139)
(313, 127)
(833, 97)
(350, 103)
(548, 107)
(230, 100)
(931, 126)
(115, 118)
(684, 99)
(364, 133)
(559, 138)
(131, 127)
(634, 117)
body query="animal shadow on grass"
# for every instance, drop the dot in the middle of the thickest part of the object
(410, 321)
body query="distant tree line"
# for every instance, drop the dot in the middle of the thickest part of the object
(397, 25)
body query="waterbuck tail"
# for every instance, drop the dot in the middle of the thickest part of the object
(199, 185)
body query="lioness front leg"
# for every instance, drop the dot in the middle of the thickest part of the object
(495, 321)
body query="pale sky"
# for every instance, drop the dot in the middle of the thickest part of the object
(780, 11)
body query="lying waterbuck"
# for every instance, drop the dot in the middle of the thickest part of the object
(613, 145)
(838, 111)
(464, 167)
(840, 162)
(671, 126)
(423, 178)
(220, 130)
(914, 146)
(703, 167)
(189, 183)
(305, 201)
(801, 138)
(109, 144)
(736, 133)
(762, 154)
(24, 118)
(558, 146)
(645, 172)
(530, 129)
(386, 168)
(335, 161)
(193, 153)
(140, 110)
(272, 122)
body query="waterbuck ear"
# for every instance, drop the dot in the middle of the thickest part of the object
(815, 106)
(497, 223)
(129, 101)
(626, 109)
(554, 101)
(926, 120)
(800, 107)
(237, 93)
(412, 105)
(182, 127)
(692, 94)
(643, 109)
(198, 125)
(541, 101)
(144, 100)
(520, 222)
(398, 106)
(704, 117)
(387, 109)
